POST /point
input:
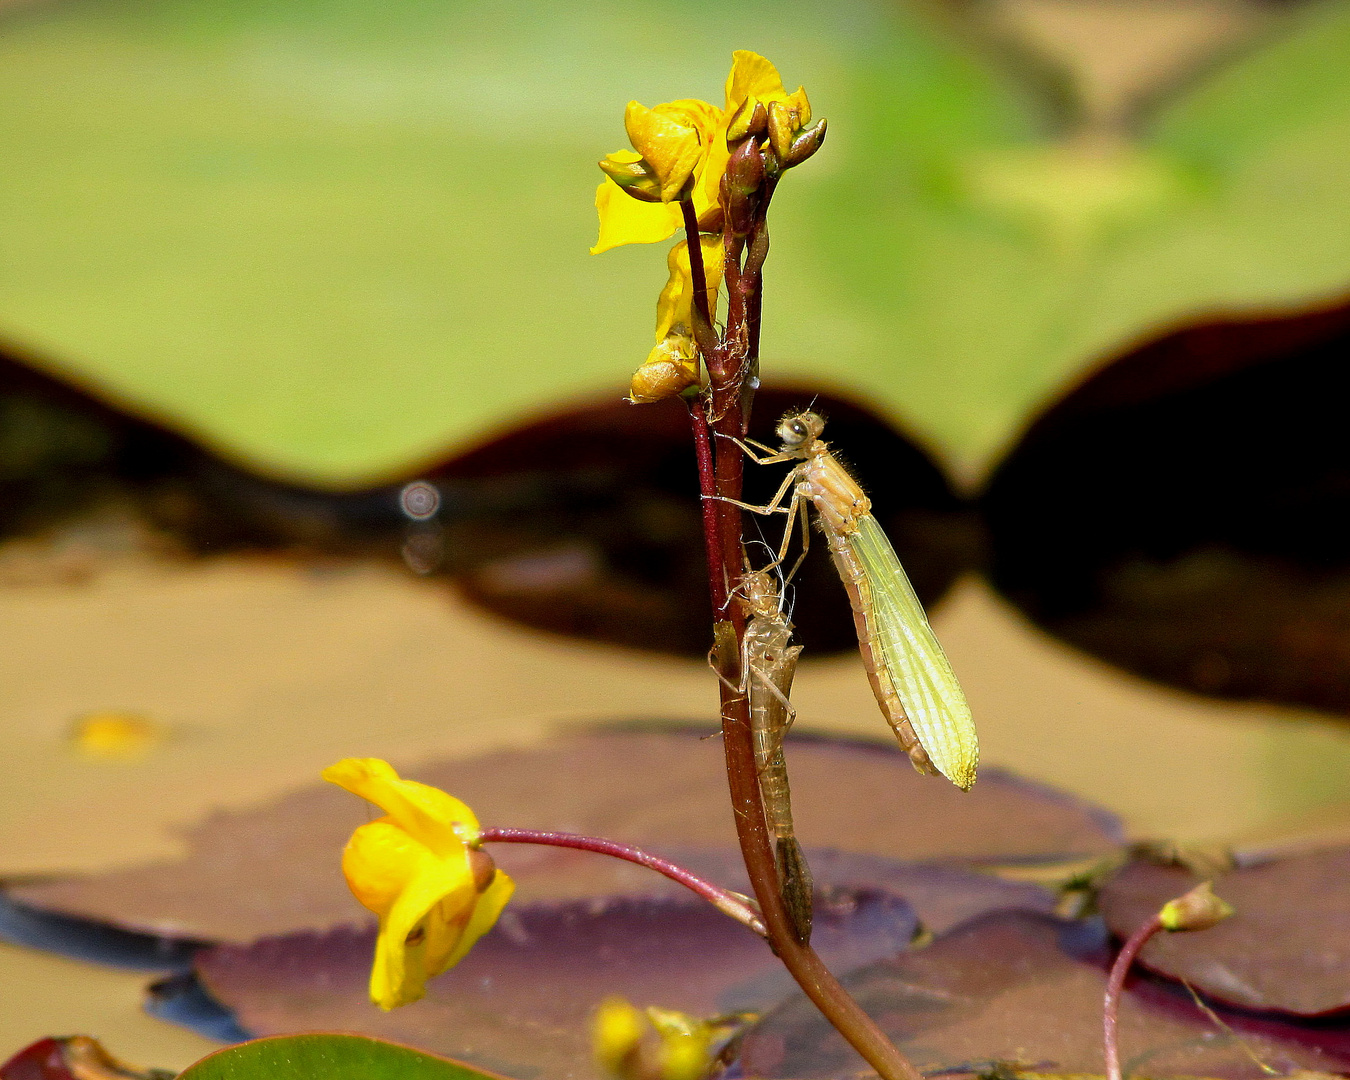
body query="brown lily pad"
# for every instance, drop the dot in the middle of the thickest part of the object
(520, 1003)
(275, 870)
(1027, 989)
(1287, 948)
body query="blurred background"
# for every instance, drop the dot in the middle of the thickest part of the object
(311, 441)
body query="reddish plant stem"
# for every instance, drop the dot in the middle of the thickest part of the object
(1115, 984)
(704, 334)
(724, 900)
(722, 412)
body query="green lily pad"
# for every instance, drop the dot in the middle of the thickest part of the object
(332, 1057)
(334, 241)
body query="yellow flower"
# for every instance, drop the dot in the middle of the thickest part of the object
(682, 142)
(655, 1044)
(417, 869)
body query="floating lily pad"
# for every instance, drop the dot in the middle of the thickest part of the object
(331, 1056)
(276, 870)
(521, 1001)
(1211, 554)
(1027, 989)
(1287, 948)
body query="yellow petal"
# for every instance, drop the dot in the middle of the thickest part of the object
(429, 815)
(675, 305)
(402, 967)
(625, 220)
(702, 115)
(484, 917)
(752, 74)
(708, 179)
(378, 862)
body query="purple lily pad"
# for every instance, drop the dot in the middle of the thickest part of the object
(1286, 949)
(275, 870)
(1027, 989)
(520, 1003)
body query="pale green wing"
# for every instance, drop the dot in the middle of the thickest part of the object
(918, 667)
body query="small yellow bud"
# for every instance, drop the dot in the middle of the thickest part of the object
(1199, 909)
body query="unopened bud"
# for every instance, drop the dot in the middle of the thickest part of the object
(743, 177)
(745, 169)
(805, 143)
(784, 123)
(752, 118)
(635, 177)
(1199, 909)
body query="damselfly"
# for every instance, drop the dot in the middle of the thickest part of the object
(910, 674)
(768, 664)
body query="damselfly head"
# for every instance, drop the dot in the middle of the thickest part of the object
(800, 430)
(760, 596)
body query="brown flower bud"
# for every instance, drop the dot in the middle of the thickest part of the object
(751, 118)
(745, 169)
(805, 143)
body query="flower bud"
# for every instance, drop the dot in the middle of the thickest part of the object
(805, 143)
(751, 118)
(745, 169)
(784, 123)
(743, 177)
(1199, 909)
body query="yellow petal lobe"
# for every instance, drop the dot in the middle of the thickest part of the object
(625, 220)
(751, 74)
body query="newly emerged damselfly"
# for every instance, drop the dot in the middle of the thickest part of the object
(910, 674)
(768, 664)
